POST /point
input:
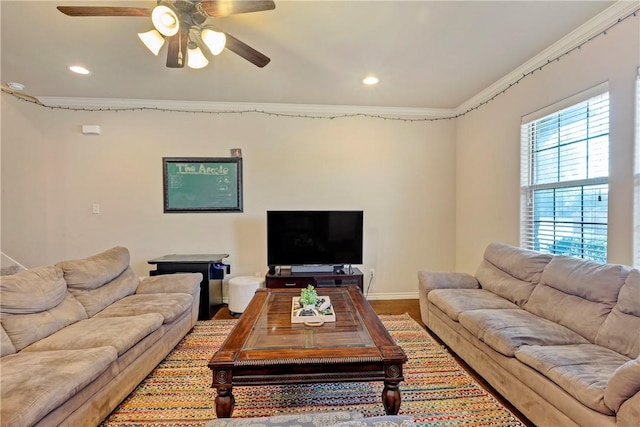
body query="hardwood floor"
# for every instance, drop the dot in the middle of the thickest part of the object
(412, 307)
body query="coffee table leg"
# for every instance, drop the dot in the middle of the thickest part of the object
(224, 403)
(391, 397)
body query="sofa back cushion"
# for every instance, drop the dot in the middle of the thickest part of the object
(616, 332)
(96, 300)
(578, 294)
(511, 272)
(35, 304)
(95, 271)
(624, 383)
(32, 291)
(100, 280)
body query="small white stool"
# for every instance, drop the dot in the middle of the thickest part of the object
(241, 290)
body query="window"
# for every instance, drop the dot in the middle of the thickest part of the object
(564, 177)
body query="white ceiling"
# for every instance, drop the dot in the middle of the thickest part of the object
(427, 54)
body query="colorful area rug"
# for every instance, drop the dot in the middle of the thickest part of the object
(436, 390)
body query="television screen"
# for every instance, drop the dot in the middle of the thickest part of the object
(314, 237)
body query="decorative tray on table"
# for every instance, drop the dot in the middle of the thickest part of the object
(323, 311)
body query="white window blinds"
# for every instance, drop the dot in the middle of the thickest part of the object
(564, 177)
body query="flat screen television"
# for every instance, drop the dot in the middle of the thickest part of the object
(314, 237)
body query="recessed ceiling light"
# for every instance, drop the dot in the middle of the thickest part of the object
(16, 85)
(370, 80)
(78, 69)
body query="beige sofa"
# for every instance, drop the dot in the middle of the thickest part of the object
(558, 337)
(79, 336)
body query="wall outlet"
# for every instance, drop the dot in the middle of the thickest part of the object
(372, 273)
(95, 208)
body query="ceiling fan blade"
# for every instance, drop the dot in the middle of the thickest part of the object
(246, 51)
(103, 11)
(177, 50)
(218, 8)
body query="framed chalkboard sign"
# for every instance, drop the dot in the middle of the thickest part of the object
(202, 184)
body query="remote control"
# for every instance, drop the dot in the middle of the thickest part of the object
(325, 304)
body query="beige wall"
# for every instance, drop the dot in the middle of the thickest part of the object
(434, 194)
(488, 145)
(401, 174)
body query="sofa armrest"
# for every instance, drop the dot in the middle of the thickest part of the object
(187, 283)
(430, 280)
(629, 413)
(623, 385)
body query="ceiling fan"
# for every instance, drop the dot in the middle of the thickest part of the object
(183, 24)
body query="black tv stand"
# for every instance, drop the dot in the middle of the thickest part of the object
(287, 279)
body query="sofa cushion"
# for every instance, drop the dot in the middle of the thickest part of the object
(34, 384)
(186, 283)
(32, 291)
(625, 317)
(455, 301)
(506, 330)
(587, 279)
(430, 280)
(96, 270)
(6, 346)
(523, 264)
(630, 294)
(170, 306)
(122, 333)
(24, 329)
(624, 383)
(95, 300)
(582, 370)
(578, 294)
(511, 272)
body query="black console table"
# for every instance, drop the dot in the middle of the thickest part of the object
(210, 265)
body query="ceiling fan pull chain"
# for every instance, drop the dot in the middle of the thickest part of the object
(180, 50)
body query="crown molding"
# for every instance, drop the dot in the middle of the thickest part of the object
(595, 26)
(303, 110)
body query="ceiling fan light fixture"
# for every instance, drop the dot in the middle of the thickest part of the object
(214, 40)
(195, 57)
(153, 40)
(165, 20)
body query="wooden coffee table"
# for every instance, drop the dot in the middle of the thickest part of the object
(266, 348)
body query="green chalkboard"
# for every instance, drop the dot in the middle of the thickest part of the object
(202, 184)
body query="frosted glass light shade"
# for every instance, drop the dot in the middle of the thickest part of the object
(195, 58)
(214, 40)
(153, 40)
(165, 20)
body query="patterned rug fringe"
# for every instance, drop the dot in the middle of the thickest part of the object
(436, 390)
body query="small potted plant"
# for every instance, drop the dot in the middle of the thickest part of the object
(308, 298)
